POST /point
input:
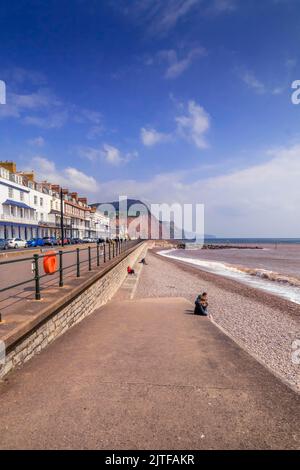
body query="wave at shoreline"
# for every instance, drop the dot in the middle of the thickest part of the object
(284, 286)
(269, 275)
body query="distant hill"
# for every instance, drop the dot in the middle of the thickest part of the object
(115, 204)
(131, 202)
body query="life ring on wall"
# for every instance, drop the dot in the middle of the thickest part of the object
(50, 263)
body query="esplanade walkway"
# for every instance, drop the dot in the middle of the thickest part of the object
(146, 374)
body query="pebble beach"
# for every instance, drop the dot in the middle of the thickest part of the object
(264, 325)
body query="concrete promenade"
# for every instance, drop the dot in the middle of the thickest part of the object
(146, 374)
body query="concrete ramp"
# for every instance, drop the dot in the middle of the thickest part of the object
(146, 374)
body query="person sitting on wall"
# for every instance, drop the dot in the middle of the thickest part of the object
(201, 304)
(130, 270)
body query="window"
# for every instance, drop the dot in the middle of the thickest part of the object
(21, 196)
(35, 200)
(41, 201)
(10, 192)
(41, 216)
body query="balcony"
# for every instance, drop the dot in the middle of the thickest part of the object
(18, 220)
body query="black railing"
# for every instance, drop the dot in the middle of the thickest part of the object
(95, 257)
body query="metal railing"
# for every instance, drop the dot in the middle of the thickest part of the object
(96, 256)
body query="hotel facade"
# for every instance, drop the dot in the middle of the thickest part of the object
(31, 209)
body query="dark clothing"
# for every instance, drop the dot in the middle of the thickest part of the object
(199, 308)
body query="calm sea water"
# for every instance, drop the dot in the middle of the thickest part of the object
(275, 267)
(255, 241)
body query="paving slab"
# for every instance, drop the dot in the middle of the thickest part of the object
(146, 374)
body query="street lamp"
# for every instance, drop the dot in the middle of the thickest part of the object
(62, 218)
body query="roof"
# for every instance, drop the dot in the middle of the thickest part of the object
(14, 186)
(10, 202)
(78, 206)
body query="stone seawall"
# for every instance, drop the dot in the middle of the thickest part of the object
(72, 312)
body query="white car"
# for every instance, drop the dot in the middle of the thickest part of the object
(87, 240)
(16, 243)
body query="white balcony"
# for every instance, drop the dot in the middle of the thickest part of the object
(18, 220)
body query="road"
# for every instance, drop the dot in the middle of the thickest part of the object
(17, 272)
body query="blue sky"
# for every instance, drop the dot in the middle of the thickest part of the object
(168, 101)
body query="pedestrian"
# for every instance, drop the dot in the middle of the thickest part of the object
(201, 304)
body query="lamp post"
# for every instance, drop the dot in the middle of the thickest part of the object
(62, 218)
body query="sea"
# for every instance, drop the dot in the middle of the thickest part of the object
(269, 264)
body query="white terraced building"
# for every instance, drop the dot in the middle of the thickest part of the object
(23, 205)
(29, 209)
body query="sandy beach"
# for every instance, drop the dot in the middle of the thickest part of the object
(265, 325)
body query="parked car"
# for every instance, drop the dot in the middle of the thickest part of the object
(76, 241)
(87, 240)
(3, 244)
(66, 241)
(16, 243)
(34, 242)
(51, 241)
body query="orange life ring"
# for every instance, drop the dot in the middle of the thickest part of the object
(50, 263)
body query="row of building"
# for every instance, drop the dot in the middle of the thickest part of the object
(31, 209)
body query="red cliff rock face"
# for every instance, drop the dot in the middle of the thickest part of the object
(144, 226)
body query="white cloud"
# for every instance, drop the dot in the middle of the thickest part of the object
(93, 116)
(20, 75)
(259, 201)
(259, 87)
(95, 131)
(90, 153)
(42, 108)
(151, 137)
(173, 12)
(69, 177)
(176, 66)
(87, 115)
(54, 120)
(222, 6)
(42, 98)
(194, 125)
(252, 82)
(37, 141)
(109, 153)
(114, 156)
(159, 17)
(18, 104)
(80, 180)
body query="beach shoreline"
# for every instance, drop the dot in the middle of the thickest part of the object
(263, 324)
(235, 286)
